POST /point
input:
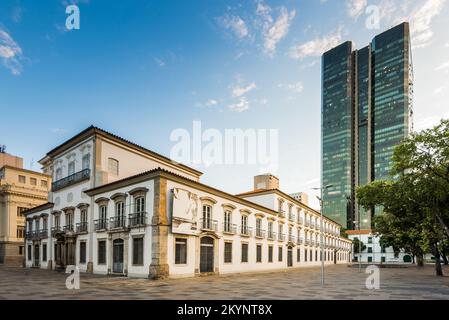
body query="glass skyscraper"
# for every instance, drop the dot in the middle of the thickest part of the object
(366, 112)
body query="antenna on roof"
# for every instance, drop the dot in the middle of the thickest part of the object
(2, 148)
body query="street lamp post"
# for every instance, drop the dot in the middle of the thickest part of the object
(321, 230)
(357, 223)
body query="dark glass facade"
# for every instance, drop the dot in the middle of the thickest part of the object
(337, 119)
(363, 108)
(390, 115)
(366, 111)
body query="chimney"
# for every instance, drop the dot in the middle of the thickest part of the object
(266, 181)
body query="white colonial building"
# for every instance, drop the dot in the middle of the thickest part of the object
(118, 208)
(374, 252)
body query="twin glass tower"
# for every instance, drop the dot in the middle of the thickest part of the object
(366, 111)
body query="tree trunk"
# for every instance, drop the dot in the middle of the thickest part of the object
(438, 269)
(441, 221)
(420, 259)
(443, 255)
(436, 254)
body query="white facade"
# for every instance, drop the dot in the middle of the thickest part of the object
(110, 219)
(375, 253)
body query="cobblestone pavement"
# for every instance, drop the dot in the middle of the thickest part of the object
(342, 282)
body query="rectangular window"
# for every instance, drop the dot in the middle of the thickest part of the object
(102, 252)
(138, 251)
(298, 255)
(382, 259)
(311, 257)
(20, 232)
(103, 213)
(20, 250)
(244, 226)
(244, 252)
(113, 166)
(86, 162)
(370, 250)
(83, 216)
(44, 252)
(270, 230)
(29, 252)
(270, 253)
(305, 255)
(20, 211)
(370, 239)
(44, 183)
(71, 168)
(227, 221)
(316, 255)
(33, 181)
(57, 221)
(58, 174)
(280, 254)
(259, 253)
(180, 251)
(22, 179)
(228, 252)
(259, 227)
(382, 249)
(207, 217)
(370, 259)
(83, 252)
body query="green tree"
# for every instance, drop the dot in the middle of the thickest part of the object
(416, 201)
(359, 246)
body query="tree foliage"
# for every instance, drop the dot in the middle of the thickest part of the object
(416, 200)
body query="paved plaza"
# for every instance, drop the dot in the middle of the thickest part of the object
(342, 282)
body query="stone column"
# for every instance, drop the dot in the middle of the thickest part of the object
(159, 237)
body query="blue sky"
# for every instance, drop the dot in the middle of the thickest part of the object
(144, 68)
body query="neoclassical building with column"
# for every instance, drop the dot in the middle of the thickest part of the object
(118, 208)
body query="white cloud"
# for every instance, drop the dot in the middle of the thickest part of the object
(263, 101)
(17, 14)
(10, 53)
(315, 47)
(428, 122)
(355, 7)
(239, 91)
(443, 66)
(294, 87)
(208, 104)
(439, 90)
(236, 24)
(421, 20)
(419, 13)
(211, 103)
(161, 63)
(240, 106)
(273, 30)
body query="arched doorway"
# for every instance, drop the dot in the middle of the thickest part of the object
(289, 257)
(207, 254)
(117, 255)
